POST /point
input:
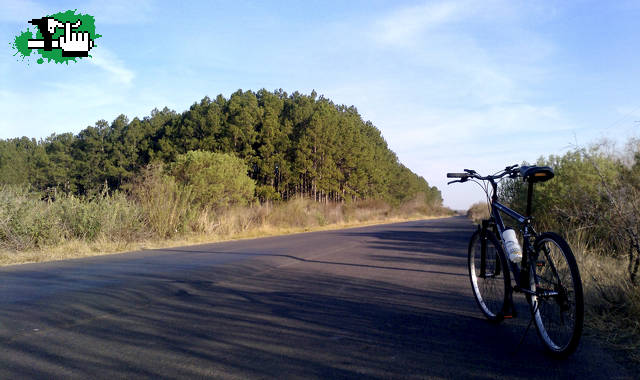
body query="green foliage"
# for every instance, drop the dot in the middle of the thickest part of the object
(167, 206)
(595, 193)
(24, 223)
(266, 193)
(560, 202)
(218, 154)
(292, 145)
(27, 221)
(217, 180)
(102, 216)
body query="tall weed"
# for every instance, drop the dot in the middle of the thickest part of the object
(158, 208)
(25, 221)
(167, 207)
(612, 301)
(103, 216)
(478, 211)
(28, 222)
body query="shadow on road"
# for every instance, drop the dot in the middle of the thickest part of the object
(392, 305)
(415, 244)
(322, 327)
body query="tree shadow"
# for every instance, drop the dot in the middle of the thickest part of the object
(203, 313)
(284, 323)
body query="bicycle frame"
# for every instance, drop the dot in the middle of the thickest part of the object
(528, 233)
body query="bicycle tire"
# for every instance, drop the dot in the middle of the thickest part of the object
(491, 289)
(559, 319)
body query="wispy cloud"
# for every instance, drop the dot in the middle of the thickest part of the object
(430, 129)
(405, 25)
(20, 11)
(477, 104)
(108, 12)
(108, 61)
(120, 11)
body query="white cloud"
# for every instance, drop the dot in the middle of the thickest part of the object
(405, 25)
(120, 11)
(21, 11)
(109, 62)
(432, 126)
(468, 100)
(108, 12)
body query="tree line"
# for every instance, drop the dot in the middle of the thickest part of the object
(292, 144)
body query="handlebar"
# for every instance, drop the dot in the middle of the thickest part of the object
(510, 171)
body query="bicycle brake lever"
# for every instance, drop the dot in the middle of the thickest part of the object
(465, 179)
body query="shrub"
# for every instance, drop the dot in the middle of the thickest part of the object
(594, 190)
(167, 206)
(103, 216)
(28, 222)
(25, 221)
(266, 193)
(217, 180)
(478, 211)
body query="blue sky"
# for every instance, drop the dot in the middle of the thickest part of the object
(451, 84)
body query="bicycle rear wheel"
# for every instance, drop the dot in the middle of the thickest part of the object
(558, 306)
(489, 276)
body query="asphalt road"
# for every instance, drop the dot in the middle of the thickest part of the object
(388, 301)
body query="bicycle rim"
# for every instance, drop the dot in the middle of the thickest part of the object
(559, 314)
(489, 286)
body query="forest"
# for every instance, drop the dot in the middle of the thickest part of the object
(292, 145)
(256, 164)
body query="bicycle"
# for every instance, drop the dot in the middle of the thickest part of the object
(547, 273)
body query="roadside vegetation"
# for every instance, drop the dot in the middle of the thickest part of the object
(159, 212)
(292, 146)
(252, 165)
(594, 201)
(478, 211)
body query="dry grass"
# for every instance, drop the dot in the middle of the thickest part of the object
(612, 302)
(143, 220)
(478, 211)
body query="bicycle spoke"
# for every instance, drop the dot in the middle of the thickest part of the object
(557, 319)
(490, 289)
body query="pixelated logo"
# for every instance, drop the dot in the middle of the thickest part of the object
(59, 38)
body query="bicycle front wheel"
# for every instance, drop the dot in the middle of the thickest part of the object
(558, 306)
(489, 275)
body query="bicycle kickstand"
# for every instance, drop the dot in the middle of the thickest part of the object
(533, 315)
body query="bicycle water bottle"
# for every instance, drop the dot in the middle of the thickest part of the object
(511, 244)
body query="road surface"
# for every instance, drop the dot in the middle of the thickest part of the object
(387, 301)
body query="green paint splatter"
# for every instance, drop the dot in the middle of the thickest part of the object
(20, 44)
(55, 55)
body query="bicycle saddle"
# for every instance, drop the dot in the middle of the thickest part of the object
(536, 173)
